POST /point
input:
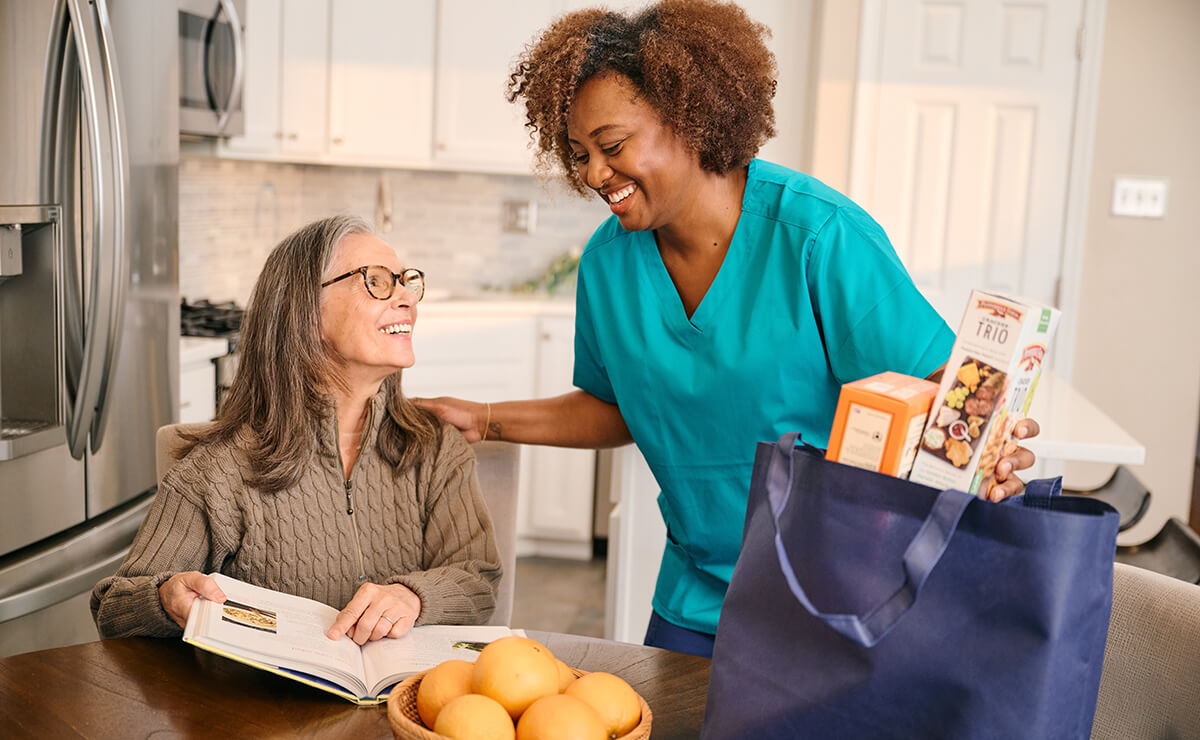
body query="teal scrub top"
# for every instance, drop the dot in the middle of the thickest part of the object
(810, 295)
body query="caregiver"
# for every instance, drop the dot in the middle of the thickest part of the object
(725, 301)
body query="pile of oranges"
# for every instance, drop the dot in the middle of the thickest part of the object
(518, 690)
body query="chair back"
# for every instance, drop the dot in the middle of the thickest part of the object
(498, 464)
(1152, 659)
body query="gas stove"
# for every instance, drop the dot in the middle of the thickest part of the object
(207, 319)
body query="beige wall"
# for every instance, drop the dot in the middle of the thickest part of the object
(1137, 350)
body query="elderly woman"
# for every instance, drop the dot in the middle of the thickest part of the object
(318, 477)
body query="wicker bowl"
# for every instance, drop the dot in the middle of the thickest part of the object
(407, 725)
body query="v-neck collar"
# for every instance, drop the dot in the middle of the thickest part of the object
(707, 312)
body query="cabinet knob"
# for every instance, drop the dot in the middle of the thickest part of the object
(546, 337)
(278, 134)
(292, 137)
(338, 141)
(441, 145)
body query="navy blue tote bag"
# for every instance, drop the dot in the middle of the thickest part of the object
(866, 606)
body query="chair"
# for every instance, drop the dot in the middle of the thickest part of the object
(1152, 659)
(498, 464)
(1174, 551)
(1123, 492)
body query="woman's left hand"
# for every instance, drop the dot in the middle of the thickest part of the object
(376, 612)
(1006, 482)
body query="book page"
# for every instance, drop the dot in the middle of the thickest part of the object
(275, 628)
(389, 660)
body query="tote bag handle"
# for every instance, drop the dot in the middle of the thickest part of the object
(920, 558)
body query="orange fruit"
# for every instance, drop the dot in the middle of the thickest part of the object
(560, 717)
(614, 700)
(444, 682)
(515, 671)
(474, 717)
(565, 676)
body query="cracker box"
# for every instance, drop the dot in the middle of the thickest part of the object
(879, 421)
(986, 389)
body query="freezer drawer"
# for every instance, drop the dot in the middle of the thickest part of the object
(40, 587)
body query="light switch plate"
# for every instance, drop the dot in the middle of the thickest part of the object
(519, 216)
(1140, 197)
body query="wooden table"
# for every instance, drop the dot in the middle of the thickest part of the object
(142, 687)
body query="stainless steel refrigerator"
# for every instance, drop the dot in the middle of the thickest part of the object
(89, 296)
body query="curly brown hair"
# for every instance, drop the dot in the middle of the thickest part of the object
(703, 66)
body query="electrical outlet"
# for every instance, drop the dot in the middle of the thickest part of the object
(1140, 197)
(519, 216)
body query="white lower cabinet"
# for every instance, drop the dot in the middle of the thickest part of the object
(504, 351)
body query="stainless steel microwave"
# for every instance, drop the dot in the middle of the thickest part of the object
(212, 67)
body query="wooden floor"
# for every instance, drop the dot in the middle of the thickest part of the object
(560, 596)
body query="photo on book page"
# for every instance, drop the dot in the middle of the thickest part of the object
(249, 616)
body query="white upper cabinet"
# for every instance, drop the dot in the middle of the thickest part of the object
(477, 45)
(286, 99)
(304, 82)
(422, 83)
(381, 57)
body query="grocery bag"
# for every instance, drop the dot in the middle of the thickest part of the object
(866, 606)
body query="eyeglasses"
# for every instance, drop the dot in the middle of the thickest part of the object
(381, 282)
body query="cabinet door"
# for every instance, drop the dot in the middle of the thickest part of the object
(304, 109)
(260, 97)
(475, 125)
(563, 481)
(381, 81)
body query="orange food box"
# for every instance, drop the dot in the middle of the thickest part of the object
(879, 421)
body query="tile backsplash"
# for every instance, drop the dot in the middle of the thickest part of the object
(232, 212)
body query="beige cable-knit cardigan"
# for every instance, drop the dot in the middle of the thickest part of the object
(427, 529)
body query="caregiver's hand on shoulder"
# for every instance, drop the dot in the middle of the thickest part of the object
(179, 591)
(376, 612)
(1006, 482)
(469, 417)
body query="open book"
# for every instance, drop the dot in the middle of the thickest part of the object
(285, 634)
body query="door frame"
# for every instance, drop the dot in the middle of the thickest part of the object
(1089, 49)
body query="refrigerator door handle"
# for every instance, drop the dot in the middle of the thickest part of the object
(117, 254)
(109, 175)
(239, 63)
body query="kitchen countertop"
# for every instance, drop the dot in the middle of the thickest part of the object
(502, 304)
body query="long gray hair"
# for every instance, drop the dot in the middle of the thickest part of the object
(286, 368)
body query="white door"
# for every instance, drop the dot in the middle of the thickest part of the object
(962, 140)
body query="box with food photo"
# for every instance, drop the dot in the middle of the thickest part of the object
(986, 389)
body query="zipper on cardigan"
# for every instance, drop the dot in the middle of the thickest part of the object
(362, 571)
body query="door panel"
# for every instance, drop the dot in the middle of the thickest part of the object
(962, 141)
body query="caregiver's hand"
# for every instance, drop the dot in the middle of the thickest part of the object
(467, 416)
(1006, 483)
(376, 612)
(179, 591)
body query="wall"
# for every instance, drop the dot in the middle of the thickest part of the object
(1137, 351)
(449, 224)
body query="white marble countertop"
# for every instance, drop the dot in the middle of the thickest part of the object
(1073, 429)
(498, 304)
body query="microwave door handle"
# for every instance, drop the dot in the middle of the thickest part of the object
(96, 330)
(239, 63)
(117, 156)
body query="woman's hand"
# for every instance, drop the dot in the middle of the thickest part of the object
(1006, 483)
(179, 591)
(469, 417)
(376, 612)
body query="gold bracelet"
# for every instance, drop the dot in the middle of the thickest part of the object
(487, 423)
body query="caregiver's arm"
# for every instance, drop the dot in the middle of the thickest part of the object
(574, 419)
